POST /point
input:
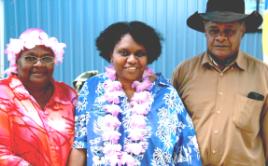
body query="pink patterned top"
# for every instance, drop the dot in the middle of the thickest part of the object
(30, 135)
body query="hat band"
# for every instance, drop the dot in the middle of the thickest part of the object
(223, 16)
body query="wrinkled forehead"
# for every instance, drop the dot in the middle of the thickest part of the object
(212, 24)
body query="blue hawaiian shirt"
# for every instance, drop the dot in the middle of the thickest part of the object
(172, 138)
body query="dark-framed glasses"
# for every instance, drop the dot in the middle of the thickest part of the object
(33, 59)
(214, 32)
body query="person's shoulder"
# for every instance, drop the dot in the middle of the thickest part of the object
(163, 83)
(256, 63)
(5, 90)
(3, 81)
(96, 79)
(65, 90)
(7, 80)
(193, 60)
(164, 87)
(187, 66)
(82, 78)
(90, 84)
(189, 63)
(63, 85)
(160, 79)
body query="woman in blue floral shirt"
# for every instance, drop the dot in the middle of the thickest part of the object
(130, 115)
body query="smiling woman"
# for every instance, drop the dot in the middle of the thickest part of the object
(130, 115)
(36, 111)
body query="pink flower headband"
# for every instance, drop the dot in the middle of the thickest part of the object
(29, 39)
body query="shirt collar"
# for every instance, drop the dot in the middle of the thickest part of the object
(161, 81)
(240, 61)
(21, 92)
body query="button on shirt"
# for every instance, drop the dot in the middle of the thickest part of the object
(232, 129)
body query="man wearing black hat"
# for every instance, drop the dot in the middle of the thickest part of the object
(225, 89)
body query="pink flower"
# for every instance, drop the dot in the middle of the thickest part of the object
(112, 153)
(97, 160)
(140, 109)
(113, 109)
(10, 70)
(135, 148)
(136, 134)
(111, 122)
(14, 46)
(113, 159)
(141, 97)
(144, 85)
(43, 36)
(112, 86)
(50, 42)
(12, 60)
(111, 148)
(110, 72)
(29, 39)
(128, 160)
(111, 135)
(137, 121)
(147, 73)
(112, 98)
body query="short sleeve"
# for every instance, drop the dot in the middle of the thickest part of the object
(81, 119)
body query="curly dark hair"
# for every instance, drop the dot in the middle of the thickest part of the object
(142, 33)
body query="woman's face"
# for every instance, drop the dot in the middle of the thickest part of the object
(35, 66)
(129, 59)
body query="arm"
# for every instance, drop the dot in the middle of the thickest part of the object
(7, 158)
(77, 157)
(175, 78)
(179, 77)
(264, 128)
(265, 135)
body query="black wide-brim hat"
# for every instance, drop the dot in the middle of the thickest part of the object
(225, 11)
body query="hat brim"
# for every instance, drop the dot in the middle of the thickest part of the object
(252, 21)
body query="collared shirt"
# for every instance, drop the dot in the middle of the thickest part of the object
(232, 129)
(30, 135)
(171, 138)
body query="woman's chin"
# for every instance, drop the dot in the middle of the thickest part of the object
(39, 80)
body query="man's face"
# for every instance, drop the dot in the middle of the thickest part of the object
(223, 39)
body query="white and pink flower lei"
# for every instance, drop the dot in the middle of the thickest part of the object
(140, 104)
(29, 39)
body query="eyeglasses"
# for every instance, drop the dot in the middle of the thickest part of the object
(213, 32)
(44, 60)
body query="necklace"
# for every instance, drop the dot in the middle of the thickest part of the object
(139, 106)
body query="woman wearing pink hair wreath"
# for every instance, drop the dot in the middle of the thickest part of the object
(36, 112)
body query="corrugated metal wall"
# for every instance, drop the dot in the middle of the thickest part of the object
(78, 23)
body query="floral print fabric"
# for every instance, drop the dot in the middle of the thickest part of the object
(30, 135)
(171, 137)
